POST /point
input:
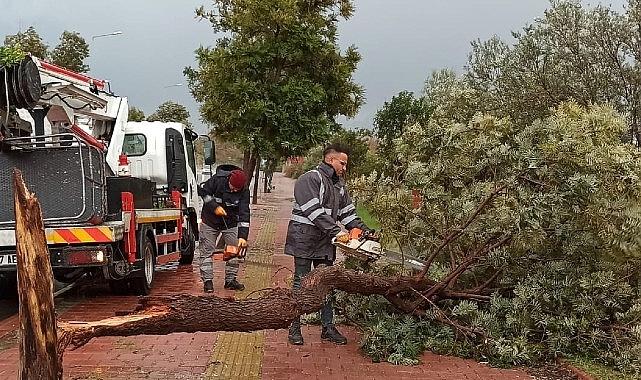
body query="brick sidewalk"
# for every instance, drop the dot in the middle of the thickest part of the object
(263, 354)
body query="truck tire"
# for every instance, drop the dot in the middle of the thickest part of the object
(142, 283)
(187, 245)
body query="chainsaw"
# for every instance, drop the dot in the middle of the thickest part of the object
(366, 247)
(230, 252)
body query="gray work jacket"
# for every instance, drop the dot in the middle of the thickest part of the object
(321, 202)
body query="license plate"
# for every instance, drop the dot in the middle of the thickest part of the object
(7, 259)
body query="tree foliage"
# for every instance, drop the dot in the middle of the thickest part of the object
(544, 217)
(574, 52)
(71, 52)
(394, 116)
(278, 79)
(28, 41)
(530, 144)
(136, 114)
(170, 111)
(362, 160)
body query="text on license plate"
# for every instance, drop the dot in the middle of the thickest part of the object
(8, 259)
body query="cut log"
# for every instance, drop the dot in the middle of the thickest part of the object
(37, 333)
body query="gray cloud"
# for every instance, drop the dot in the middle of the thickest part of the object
(401, 41)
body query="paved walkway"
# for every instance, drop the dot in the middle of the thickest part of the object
(258, 355)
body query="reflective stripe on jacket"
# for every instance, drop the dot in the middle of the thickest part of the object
(321, 202)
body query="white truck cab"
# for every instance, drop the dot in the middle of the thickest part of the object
(156, 151)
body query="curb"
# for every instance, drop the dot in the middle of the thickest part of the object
(579, 373)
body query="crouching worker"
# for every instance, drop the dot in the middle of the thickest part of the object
(321, 202)
(225, 211)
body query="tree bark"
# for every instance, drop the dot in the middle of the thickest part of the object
(276, 309)
(256, 180)
(38, 337)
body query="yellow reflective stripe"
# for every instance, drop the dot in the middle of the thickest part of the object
(107, 232)
(54, 238)
(82, 235)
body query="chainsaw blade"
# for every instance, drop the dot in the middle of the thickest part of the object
(368, 250)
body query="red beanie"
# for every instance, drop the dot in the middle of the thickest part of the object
(238, 179)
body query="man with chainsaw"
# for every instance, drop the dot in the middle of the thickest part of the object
(321, 206)
(225, 216)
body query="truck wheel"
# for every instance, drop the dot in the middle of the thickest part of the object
(142, 283)
(187, 245)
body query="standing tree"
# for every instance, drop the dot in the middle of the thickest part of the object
(402, 110)
(171, 112)
(275, 84)
(71, 52)
(136, 114)
(587, 55)
(28, 41)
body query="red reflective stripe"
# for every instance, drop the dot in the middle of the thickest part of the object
(167, 237)
(164, 259)
(176, 197)
(68, 236)
(97, 235)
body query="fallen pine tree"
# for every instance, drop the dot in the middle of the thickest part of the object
(275, 309)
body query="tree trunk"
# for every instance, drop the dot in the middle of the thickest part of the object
(38, 338)
(265, 187)
(256, 180)
(247, 168)
(276, 309)
(249, 164)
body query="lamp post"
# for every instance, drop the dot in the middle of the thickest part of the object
(173, 85)
(116, 33)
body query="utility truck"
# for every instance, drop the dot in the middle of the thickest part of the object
(118, 198)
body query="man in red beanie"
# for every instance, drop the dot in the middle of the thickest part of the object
(225, 211)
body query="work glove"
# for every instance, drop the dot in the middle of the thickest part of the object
(342, 237)
(219, 211)
(242, 243)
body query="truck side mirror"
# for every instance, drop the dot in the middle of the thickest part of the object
(209, 152)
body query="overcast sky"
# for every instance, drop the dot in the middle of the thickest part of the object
(401, 41)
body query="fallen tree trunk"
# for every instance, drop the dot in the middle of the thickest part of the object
(37, 335)
(276, 309)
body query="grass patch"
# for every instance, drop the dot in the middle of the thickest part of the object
(600, 371)
(367, 218)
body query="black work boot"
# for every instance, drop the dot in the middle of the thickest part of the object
(295, 336)
(330, 333)
(234, 285)
(209, 286)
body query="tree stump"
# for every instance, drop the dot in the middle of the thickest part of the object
(37, 335)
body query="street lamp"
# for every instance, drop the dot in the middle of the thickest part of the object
(116, 33)
(173, 85)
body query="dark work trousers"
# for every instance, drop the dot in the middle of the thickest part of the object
(301, 268)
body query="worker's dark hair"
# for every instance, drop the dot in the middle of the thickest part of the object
(335, 148)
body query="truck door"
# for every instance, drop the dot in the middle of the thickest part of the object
(176, 161)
